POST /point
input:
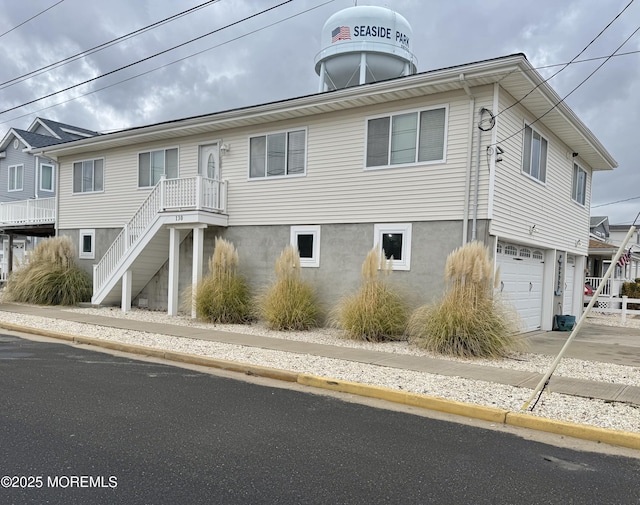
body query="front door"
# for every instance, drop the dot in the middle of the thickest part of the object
(209, 162)
(210, 170)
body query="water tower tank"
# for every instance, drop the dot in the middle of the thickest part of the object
(364, 44)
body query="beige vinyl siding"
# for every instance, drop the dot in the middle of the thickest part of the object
(521, 202)
(337, 188)
(114, 206)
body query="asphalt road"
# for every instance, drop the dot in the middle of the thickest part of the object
(79, 426)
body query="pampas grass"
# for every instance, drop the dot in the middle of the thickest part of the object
(469, 321)
(376, 312)
(50, 277)
(289, 303)
(223, 295)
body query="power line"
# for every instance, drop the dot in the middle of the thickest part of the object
(170, 63)
(100, 47)
(146, 58)
(617, 201)
(32, 17)
(570, 62)
(573, 90)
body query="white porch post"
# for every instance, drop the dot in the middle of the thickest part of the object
(126, 291)
(174, 270)
(198, 255)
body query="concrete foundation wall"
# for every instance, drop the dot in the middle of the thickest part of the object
(104, 237)
(343, 248)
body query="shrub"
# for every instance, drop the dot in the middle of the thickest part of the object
(376, 312)
(632, 290)
(223, 295)
(468, 321)
(50, 277)
(290, 303)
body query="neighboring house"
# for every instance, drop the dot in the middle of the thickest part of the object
(604, 243)
(28, 186)
(399, 164)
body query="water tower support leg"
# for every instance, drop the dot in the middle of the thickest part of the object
(363, 68)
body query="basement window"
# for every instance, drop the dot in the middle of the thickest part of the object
(87, 244)
(394, 241)
(307, 240)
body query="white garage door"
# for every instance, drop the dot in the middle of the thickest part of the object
(569, 276)
(521, 271)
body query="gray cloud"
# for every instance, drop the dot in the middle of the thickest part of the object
(278, 62)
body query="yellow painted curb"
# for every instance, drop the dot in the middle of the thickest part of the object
(120, 346)
(232, 366)
(581, 431)
(36, 331)
(416, 400)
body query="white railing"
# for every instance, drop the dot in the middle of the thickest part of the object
(192, 193)
(595, 282)
(34, 211)
(608, 305)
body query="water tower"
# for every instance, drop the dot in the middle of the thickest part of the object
(364, 44)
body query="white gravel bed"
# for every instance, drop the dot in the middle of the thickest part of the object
(522, 361)
(552, 405)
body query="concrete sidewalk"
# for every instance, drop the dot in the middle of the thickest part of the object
(594, 343)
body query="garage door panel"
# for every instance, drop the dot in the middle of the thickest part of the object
(521, 284)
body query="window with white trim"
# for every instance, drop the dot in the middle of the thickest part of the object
(152, 165)
(411, 137)
(46, 177)
(307, 240)
(88, 176)
(278, 154)
(394, 241)
(16, 177)
(579, 185)
(534, 158)
(87, 244)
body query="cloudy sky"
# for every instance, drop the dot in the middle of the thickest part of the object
(271, 57)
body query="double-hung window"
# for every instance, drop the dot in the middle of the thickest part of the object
(534, 159)
(46, 177)
(16, 174)
(579, 185)
(88, 176)
(412, 137)
(152, 165)
(278, 154)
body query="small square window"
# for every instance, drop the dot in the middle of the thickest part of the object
(394, 241)
(307, 240)
(87, 244)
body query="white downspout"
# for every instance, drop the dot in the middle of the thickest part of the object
(37, 176)
(474, 227)
(467, 189)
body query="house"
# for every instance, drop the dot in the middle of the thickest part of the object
(416, 165)
(28, 186)
(605, 240)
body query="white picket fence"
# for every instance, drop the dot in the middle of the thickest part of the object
(615, 305)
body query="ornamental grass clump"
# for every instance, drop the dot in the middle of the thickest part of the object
(376, 312)
(289, 304)
(469, 321)
(50, 276)
(223, 295)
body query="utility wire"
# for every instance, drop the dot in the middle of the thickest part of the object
(146, 58)
(617, 201)
(100, 47)
(170, 63)
(32, 17)
(573, 90)
(570, 62)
